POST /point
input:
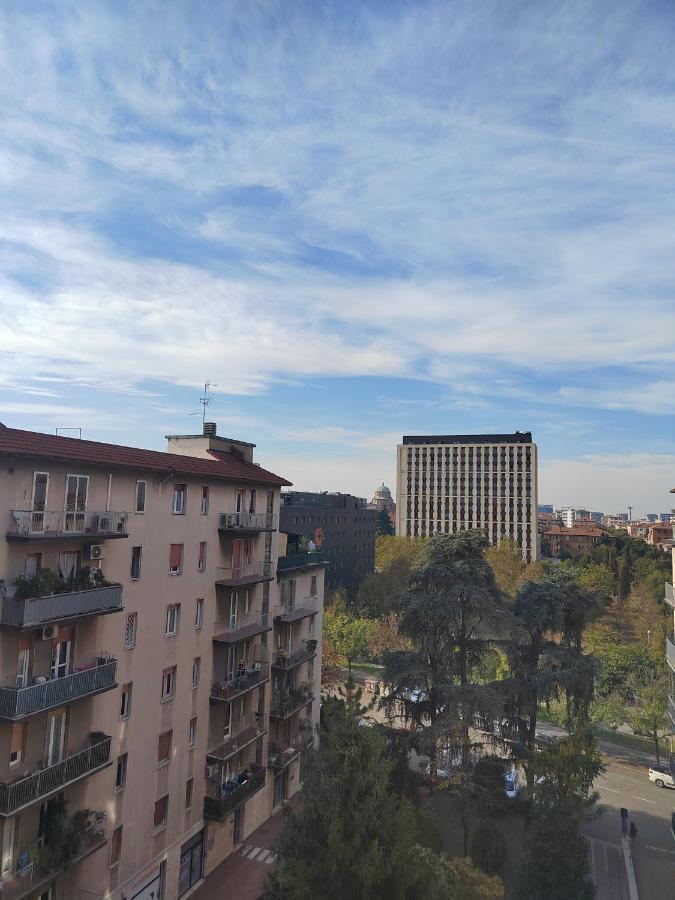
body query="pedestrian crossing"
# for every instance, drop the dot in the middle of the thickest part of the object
(258, 854)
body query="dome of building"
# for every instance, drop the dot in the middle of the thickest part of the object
(383, 489)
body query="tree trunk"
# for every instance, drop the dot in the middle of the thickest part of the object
(656, 747)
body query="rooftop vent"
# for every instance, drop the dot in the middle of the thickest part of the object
(210, 429)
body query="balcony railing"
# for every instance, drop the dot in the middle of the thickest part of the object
(285, 705)
(41, 784)
(669, 595)
(245, 680)
(243, 574)
(671, 710)
(670, 653)
(44, 610)
(15, 703)
(284, 660)
(302, 560)
(245, 521)
(26, 524)
(248, 729)
(280, 759)
(218, 807)
(30, 878)
(242, 626)
(294, 610)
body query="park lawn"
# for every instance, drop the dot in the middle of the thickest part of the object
(444, 810)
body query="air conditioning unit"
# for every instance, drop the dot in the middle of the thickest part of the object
(95, 551)
(49, 632)
(212, 770)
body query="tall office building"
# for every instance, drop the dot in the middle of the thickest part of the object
(160, 662)
(453, 482)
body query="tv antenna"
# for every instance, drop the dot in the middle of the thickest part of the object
(205, 401)
(630, 513)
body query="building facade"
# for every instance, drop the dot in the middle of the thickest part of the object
(141, 609)
(571, 543)
(341, 525)
(670, 641)
(450, 483)
(382, 499)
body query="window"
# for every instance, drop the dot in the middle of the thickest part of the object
(139, 505)
(161, 810)
(135, 572)
(168, 683)
(116, 846)
(125, 706)
(179, 498)
(121, 777)
(199, 612)
(192, 733)
(312, 589)
(196, 670)
(16, 743)
(310, 670)
(176, 559)
(247, 602)
(130, 631)
(251, 507)
(312, 625)
(189, 791)
(172, 620)
(205, 501)
(164, 748)
(201, 565)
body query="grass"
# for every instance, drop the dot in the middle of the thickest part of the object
(369, 668)
(634, 741)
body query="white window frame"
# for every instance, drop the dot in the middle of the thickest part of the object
(179, 569)
(32, 497)
(205, 500)
(172, 624)
(133, 577)
(201, 563)
(123, 762)
(145, 496)
(179, 509)
(169, 678)
(128, 695)
(192, 733)
(199, 612)
(196, 670)
(129, 644)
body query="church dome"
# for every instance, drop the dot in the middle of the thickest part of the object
(383, 489)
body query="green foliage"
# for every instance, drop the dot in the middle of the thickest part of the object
(620, 664)
(488, 785)
(63, 835)
(347, 634)
(384, 525)
(598, 578)
(647, 713)
(46, 582)
(488, 847)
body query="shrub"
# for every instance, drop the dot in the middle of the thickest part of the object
(488, 848)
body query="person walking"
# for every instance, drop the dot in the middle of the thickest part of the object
(632, 831)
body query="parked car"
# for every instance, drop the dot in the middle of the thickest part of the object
(511, 785)
(661, 776)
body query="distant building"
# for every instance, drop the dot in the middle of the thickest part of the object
(545, 508)
(615, 521)
(571, 543)
(453, 482)
(652, 517)
(340, 524)
(670, 646)
(382, 499)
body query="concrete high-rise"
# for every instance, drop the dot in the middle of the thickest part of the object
(453, 482)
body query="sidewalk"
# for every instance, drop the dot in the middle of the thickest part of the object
(243, 873)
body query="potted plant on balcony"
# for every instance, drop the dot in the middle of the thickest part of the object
(312, 644)
(63, 836)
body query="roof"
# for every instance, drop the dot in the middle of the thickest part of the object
(518, 437)
(35, 445)
(576, 532)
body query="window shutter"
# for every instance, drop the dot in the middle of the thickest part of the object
(175, 556)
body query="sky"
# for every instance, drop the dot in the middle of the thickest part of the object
(357, 220)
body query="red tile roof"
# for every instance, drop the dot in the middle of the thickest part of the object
(34, 445)
(575, 532)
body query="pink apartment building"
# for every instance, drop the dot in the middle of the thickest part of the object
(159, 663)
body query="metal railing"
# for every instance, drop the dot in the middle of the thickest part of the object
(41, 784)
(27, 523)
(280, 759)
(282, 659)
(297, 609)
(242, 620)
(244, 573)
(42, 610)
(301, 560)
(245, 521)
(670, 652)
(15, 703)
(219, 807)
(247, 729)
(286, 704)
(671, 709)
(244, 680)
(669, 595)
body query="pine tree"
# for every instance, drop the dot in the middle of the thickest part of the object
(384, 526)
(624, 576)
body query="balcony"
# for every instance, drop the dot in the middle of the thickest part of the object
(281, 759)
(239, 627)
(671, 710)
(250, 727)
(286, 704)
(669, 596)
(37, 611)
(244, 574)
(45, 782)
(29, 879)
(16, 703)
(302, 560)
(245, 680)
(294, 610)
(670, 652)
(219, 802)
(282, 659)
(28, 525)
(247, 523)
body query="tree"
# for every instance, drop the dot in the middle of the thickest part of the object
(488, 847)
(648, 714)
(506, 561)
(599, 578)
(624, 577)
(383, 526)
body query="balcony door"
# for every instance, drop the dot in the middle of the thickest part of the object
(234, 607)
(61, 654)
(56, 735)
(7, 849)
(68, 565)
(39, 501)
(23, 665)
(237, 558)
(77, 487)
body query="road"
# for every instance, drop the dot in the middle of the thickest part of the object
(626, 783)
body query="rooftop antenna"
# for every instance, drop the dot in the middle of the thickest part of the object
(69, 428)
(205, 401)
(630, 513)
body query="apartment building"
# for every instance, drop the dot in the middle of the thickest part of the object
(571, 543)
(140, 614)
(670, 641)
(453, 482)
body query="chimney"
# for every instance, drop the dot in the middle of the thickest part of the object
(210, 429)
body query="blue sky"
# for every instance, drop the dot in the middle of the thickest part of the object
(357, 220)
